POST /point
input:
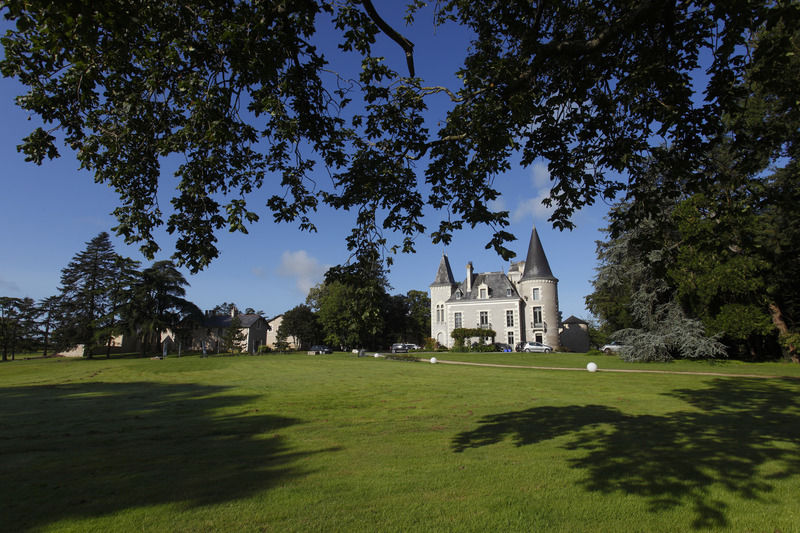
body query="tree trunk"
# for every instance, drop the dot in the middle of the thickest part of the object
(783, 329)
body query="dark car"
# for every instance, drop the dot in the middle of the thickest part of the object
(503, 347)
(321, 349)
(399, 347)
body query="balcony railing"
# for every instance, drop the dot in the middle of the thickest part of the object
(537, 325)
(484, 326)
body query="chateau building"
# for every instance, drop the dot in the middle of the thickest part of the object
(519, 306)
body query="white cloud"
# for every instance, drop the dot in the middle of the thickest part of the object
(540, 176)
(259, 272)
(306, 270)
(533, 207)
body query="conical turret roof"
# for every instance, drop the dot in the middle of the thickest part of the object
(536, 265)
(444, 276)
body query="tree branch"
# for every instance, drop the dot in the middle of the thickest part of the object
(404, 43)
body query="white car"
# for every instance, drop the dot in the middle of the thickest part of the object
(536, 347)
(613, 347)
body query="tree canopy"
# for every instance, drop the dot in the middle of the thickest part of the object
(245, 94)
(722, 263)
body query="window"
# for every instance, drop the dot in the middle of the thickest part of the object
(440, 313)
(509, 292)
(537, 317)
(458, 294)
(483, 294)
(457, 320)
(538, 337)
(511, 339)
(536, 293)
(484, 318)
(510, 318)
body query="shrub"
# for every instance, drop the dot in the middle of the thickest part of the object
(401, 357)
(461, 334)
(480, 347)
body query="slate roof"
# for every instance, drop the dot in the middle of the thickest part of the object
(574, 320)
(224, 321)
(497, 283)
(444, 276)
(536, 265)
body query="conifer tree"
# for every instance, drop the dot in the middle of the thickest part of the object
(85, 295)
(17, 325)
(48, 319)
(158, 304)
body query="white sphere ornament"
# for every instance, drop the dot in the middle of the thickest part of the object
(433, 360)
(591, 367)
(376, 355)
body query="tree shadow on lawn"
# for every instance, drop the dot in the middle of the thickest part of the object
(90, 450)
(735, 428)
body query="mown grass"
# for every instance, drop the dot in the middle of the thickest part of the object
(575, 360)
(338, 443)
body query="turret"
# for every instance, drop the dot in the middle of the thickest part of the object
(539, 289)
(441, 289)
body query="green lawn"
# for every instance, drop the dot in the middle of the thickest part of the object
(338, 443)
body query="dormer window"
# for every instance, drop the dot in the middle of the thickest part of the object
(458, 294)
(483, 294)
(509, 292)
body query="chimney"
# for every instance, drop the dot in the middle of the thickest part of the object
(469, 276)
(234, 311)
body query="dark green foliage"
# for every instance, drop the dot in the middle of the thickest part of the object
(121, 300)
(48, 320)
(224, 309)
(17, 326)
(86, 296)
(407, 318)
(402, 357)
(354, 309)
(596, 88)
(632, 282)
(158, 305)
(302, 324)
(233, 337)
(481, 347)
(352, 303)
(725, 257)
(461, 335)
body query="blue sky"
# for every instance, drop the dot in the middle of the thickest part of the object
(48, 213)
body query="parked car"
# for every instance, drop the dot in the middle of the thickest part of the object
(321, 349)
(613, 347)
(412, 346)
(503, 347)
(518, 347)
(536, 347)
(399, 347)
